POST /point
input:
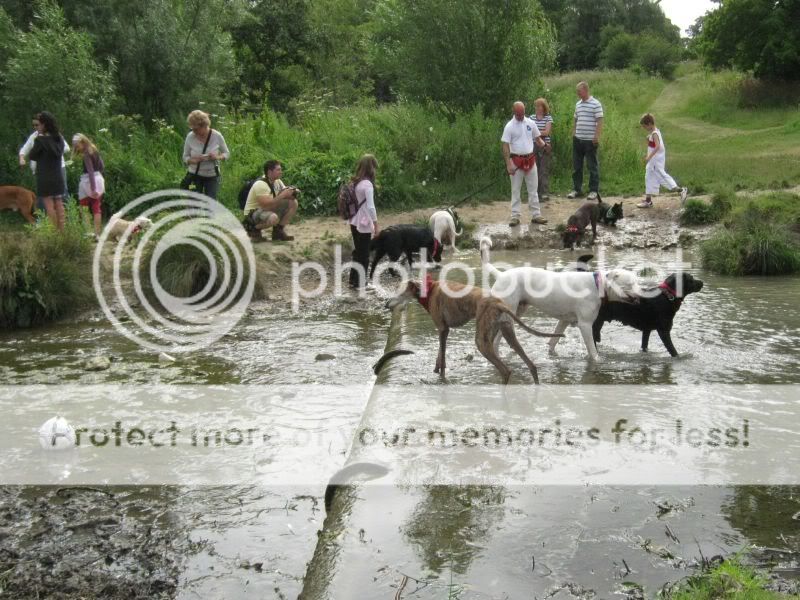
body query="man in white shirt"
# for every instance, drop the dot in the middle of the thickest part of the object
(586, 130)
(519, 136)
(26, 150)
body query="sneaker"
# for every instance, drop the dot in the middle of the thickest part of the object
(513, 222)
(573, 194)
(544, 197)
(684, 195)
(645, 204)
(592, 196)
(538, 220)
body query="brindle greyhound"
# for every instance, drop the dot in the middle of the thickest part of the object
(492, 317)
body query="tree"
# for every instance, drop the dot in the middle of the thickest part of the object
(52, 68)
(619, 52)
(169, 54)
(753, 35)
(463, 54)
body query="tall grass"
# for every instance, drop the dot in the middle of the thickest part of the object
(761, 237)
(730, 580)
(44, 275)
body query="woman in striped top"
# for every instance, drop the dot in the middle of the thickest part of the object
(544, 154)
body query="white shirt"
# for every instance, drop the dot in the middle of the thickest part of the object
(519, 135)
(28, 146)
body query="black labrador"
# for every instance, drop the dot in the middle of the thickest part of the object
(397, 240)
(652, 312)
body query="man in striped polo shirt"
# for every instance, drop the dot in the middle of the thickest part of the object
(586, 130)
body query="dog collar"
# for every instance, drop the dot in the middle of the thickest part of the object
(610, 213)
(572, 229)
(425, 293)
(670, 293)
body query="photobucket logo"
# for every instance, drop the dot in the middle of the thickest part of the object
(191, 274)
(626, 281)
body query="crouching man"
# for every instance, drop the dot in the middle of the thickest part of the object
(270, 203)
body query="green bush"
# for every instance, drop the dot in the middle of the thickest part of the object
(44, 275)
(697, 212)
(656, 56)
(730, 579)
(760, 238)
(619, 52)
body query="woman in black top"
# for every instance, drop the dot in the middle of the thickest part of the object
(48, 147)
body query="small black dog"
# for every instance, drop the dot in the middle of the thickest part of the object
(588, 213)
(651, 312)
(404, 239)
(612, 215)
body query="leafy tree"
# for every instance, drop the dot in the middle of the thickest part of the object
(169, 54)
(463, 54)
(52, 68)
(276, 47)
(619, 52)
(757, 35)
(656, 56)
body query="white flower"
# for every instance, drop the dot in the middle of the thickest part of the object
(424, 183)
(426, 157)
(201, 103)
(430, 128)
(103, 130)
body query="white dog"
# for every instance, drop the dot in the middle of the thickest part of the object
(443, 225)
(118, 226)
(572, 297)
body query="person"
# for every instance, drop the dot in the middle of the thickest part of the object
(364, 224)
(203, 149)
(25, 150)
(92, 186)
(544, 154)
(587, 127)
(655, 173)
(48, 152)
(270, 203)
(520, 135)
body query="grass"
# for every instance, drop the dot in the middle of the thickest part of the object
(761, 236)
(730, 580)
(44, 275)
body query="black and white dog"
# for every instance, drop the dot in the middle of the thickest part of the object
(652, 312)
(397, 240)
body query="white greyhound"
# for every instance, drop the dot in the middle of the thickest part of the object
(443, 225)
(572, 297)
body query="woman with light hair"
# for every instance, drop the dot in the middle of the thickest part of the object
(203, 149)
(92, 186)
(364, 224)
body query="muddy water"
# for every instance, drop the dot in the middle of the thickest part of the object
(228, 542)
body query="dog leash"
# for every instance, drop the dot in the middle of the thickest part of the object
(483, 189)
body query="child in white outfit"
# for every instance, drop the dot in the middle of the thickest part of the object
(655, 173)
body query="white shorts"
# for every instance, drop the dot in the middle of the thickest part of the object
(85, 188)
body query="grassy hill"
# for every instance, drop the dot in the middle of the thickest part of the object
(717, 131)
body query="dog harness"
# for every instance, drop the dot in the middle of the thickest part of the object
(425, 293)
(524, 161)
(610, 213)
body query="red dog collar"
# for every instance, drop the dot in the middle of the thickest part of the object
(671, 294)
(572, 229)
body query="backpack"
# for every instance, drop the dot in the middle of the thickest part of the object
(244, 191)
(348, 204)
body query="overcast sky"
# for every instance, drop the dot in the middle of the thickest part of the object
(684, 12)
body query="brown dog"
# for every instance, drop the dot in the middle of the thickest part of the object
(492, 317)
(18, 198)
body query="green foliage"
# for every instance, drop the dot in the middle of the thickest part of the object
(44, 274)
(463, 54)
(730, 580)
(753, 35)
(52, 68)
(168, 54)
(619, 52)
(656, 56)
(585, 27)
(697, 212)
(760, 238)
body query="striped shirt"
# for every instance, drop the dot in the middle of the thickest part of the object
(541, 124)
(586, 115)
